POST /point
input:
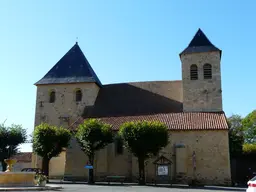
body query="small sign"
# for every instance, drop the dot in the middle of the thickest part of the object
(162, 170)
(88, 167)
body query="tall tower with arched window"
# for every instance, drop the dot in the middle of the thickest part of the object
(66, 89)
(62, 95)
(201, 75)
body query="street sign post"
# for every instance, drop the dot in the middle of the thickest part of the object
(88, 166)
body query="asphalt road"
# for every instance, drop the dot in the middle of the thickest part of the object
(127, 188)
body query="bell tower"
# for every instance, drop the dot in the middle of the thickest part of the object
(201, 75)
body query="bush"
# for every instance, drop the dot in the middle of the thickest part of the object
(249, 148)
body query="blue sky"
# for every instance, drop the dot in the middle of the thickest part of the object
(124, 41)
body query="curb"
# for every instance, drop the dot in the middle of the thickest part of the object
(46, 188)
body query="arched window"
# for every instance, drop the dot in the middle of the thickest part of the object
(207, 71)
(52, 97)
(78, 95)
(193, 72)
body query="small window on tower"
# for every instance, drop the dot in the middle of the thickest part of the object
(52, 97)
(78, 95)
(193, 72)
(207, 71)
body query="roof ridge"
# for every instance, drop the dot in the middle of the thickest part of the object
(155, 114)
(133, 82)
(90, 67)
(66, 53)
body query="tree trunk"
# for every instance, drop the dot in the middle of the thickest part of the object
(91, 175)
(4, 166)
(45, 167)
(141, 171)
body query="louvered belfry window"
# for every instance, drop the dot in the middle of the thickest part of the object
(207, 71)
(193, 72)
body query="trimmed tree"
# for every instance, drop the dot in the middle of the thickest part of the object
(144, 139)
(48, 142)
(93, 135)
(10, 138)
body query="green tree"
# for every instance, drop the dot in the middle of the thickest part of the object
(48, 142)
(249, 124)
(10, 138)
(236, 135)
(144, 139)
(93, 135)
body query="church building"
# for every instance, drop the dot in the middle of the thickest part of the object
(191, 108)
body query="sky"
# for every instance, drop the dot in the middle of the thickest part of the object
(124, 41)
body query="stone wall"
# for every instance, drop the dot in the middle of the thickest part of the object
(212, 160)
(201, 94)
(57, 166)
(65, 105)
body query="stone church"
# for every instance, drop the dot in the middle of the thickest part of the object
(191, 108)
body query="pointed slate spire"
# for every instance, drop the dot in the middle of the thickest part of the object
(73, 67)
(200, 43)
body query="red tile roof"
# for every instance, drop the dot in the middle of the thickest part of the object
(24, 157)
(174, 121)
